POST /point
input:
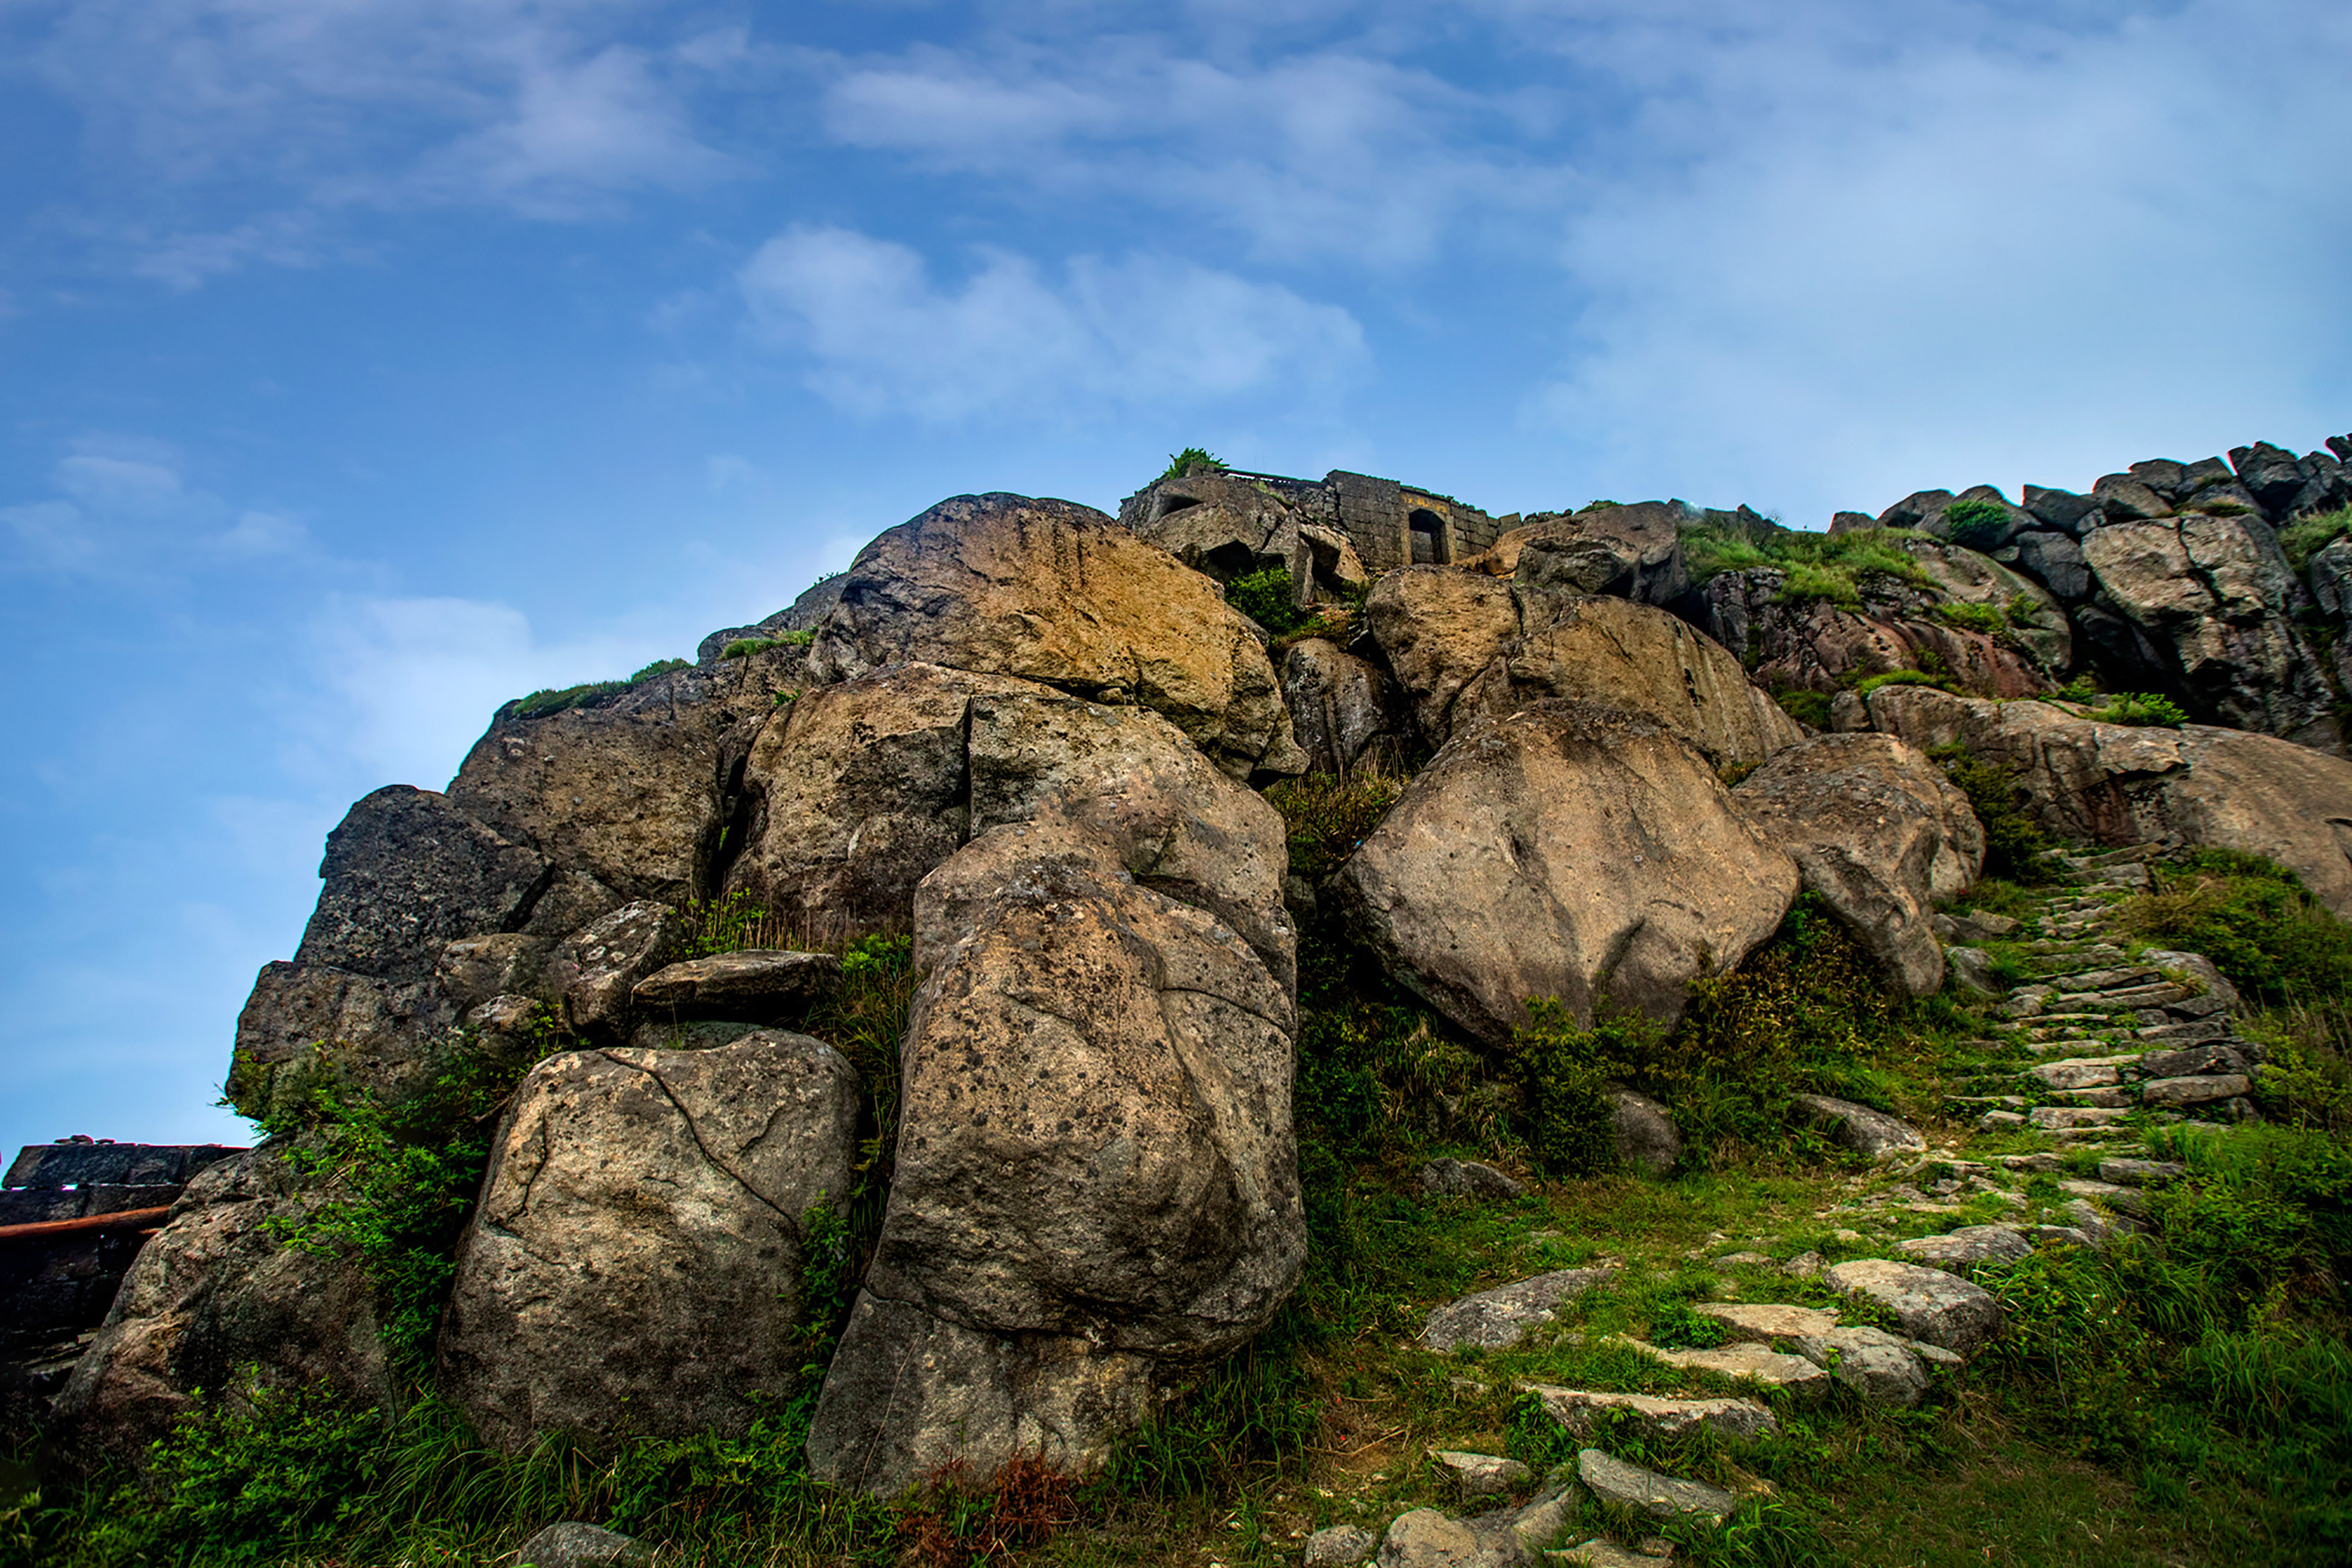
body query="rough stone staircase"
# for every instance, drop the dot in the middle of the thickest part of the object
(2090, 1047)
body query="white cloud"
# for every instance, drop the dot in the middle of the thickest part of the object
(1141, 330)
(264, 533)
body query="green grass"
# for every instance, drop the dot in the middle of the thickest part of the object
(1324, 817)
(2141, 708)
(551, 700)
(1192, 461)
(1870, 683)
(744, 647)
(2254, 918)
(2307, 536)
(1834, 565)
(1974, 524)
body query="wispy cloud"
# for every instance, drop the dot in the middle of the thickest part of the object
(1009, 340)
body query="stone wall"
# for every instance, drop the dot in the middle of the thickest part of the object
(1389, 523)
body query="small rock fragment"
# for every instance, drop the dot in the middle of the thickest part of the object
(571, 1544)
(1467, 1179)
(1480, 1475)
(1338, 1546)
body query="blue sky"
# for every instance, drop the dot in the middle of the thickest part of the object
(365, 362)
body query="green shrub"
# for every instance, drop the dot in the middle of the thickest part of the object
(1804, 705)
(1809, 581)
(1870, 683)
(1192, 461)
(2139, 708)
(1974, 524)
(2254, 918)
(1564, 1071)
(744, 647)
(1843, 560)
(1265, 597)
(2014, 841)
(1326, 816)
(2307, 536)
(1974, 617)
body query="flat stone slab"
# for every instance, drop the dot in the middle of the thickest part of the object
(2221, 1054)
(573, 1544)
(2083, 1072)
(2140, 1173)
(1764, 1321)
(2121, 1199)
(1577, 1409)
(1873, 1134)
(1967, 1246)
(1497, 1319)
(1659, 1497)
(1338, 1546)
(1933, 1307)
(759, 984)
(2194, 1091)
(2061, 1116)
(1603, 1552)
(1467, 1179)
(1480, 1475)
(1881, 1367)
(1761, 1363)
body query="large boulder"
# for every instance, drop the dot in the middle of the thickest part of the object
(2216, 595)
(305, 1021)
(1877, 831)
(1568, 850)
(1051, 591)
(407, 870)
(1467, 649)
(2115, 783)
(1095, 1181)
(1344, 710)
(631, 787)
(219, 1300)
(1633, 551)
(636, 1263)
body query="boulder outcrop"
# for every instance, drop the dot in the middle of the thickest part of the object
(1345, 711)
(1467, 647)
(1632, 552)
(1568, 850)
(636, 1262)
(2115, 783)
(217, 1298)
(1050, 592)
(1880, 834)
(1226, 526)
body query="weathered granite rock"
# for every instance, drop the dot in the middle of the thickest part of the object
(634, 1265)
(764, 985)
(2217, 595)
(2114, 783)
(2175, 1091)
(1338, 1546)
(1933, 1307)
(1753, 1362)
(1343, 709)
(1501, 873)
(1614, 1482)
(1050, 592)
(1880, 1366)
(1873, 1134)
(1647, 1139)
(596, 970)
(1480, 1475)
(1467, 1179)
(1880, 834)
(1765, 1321)
(216, 1297)
(1466, 647)
(1966, 1247)
(1502, 1317)
(1424, 1538)
(1096, 1171)
(2056, 562)
(302, 1019)
(473, 969)
(630, 788)
(574, 1544)
(1603, 1552)
(1227, 526)
(1579, 1410)
(1632, 552)
(406, 872)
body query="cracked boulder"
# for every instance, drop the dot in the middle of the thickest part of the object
(1343, 709)
(1050, 592)
(636, 1263)
(1096, 1181)
(1880, 833)
(2216, 596)
(1570, 851)
(1632, 552)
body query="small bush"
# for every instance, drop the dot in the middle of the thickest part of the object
(744, 647)
(1974, 524)
(2307, 536)
(1265, 597)
(1326, 816)
(1970, 617)
(2139, 708)
(1804, 705)
(1808, 581)
(1192, 461)
(1870, 683)
(2014, 841)
(1845, 560)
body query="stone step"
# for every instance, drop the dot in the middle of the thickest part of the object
(2083, 1072)
(1765, 1365)
(2140, 1173)
(1578, 1410)
(2104, 1099)
(1645, 1491)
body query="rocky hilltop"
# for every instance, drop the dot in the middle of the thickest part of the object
(1020, 749)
